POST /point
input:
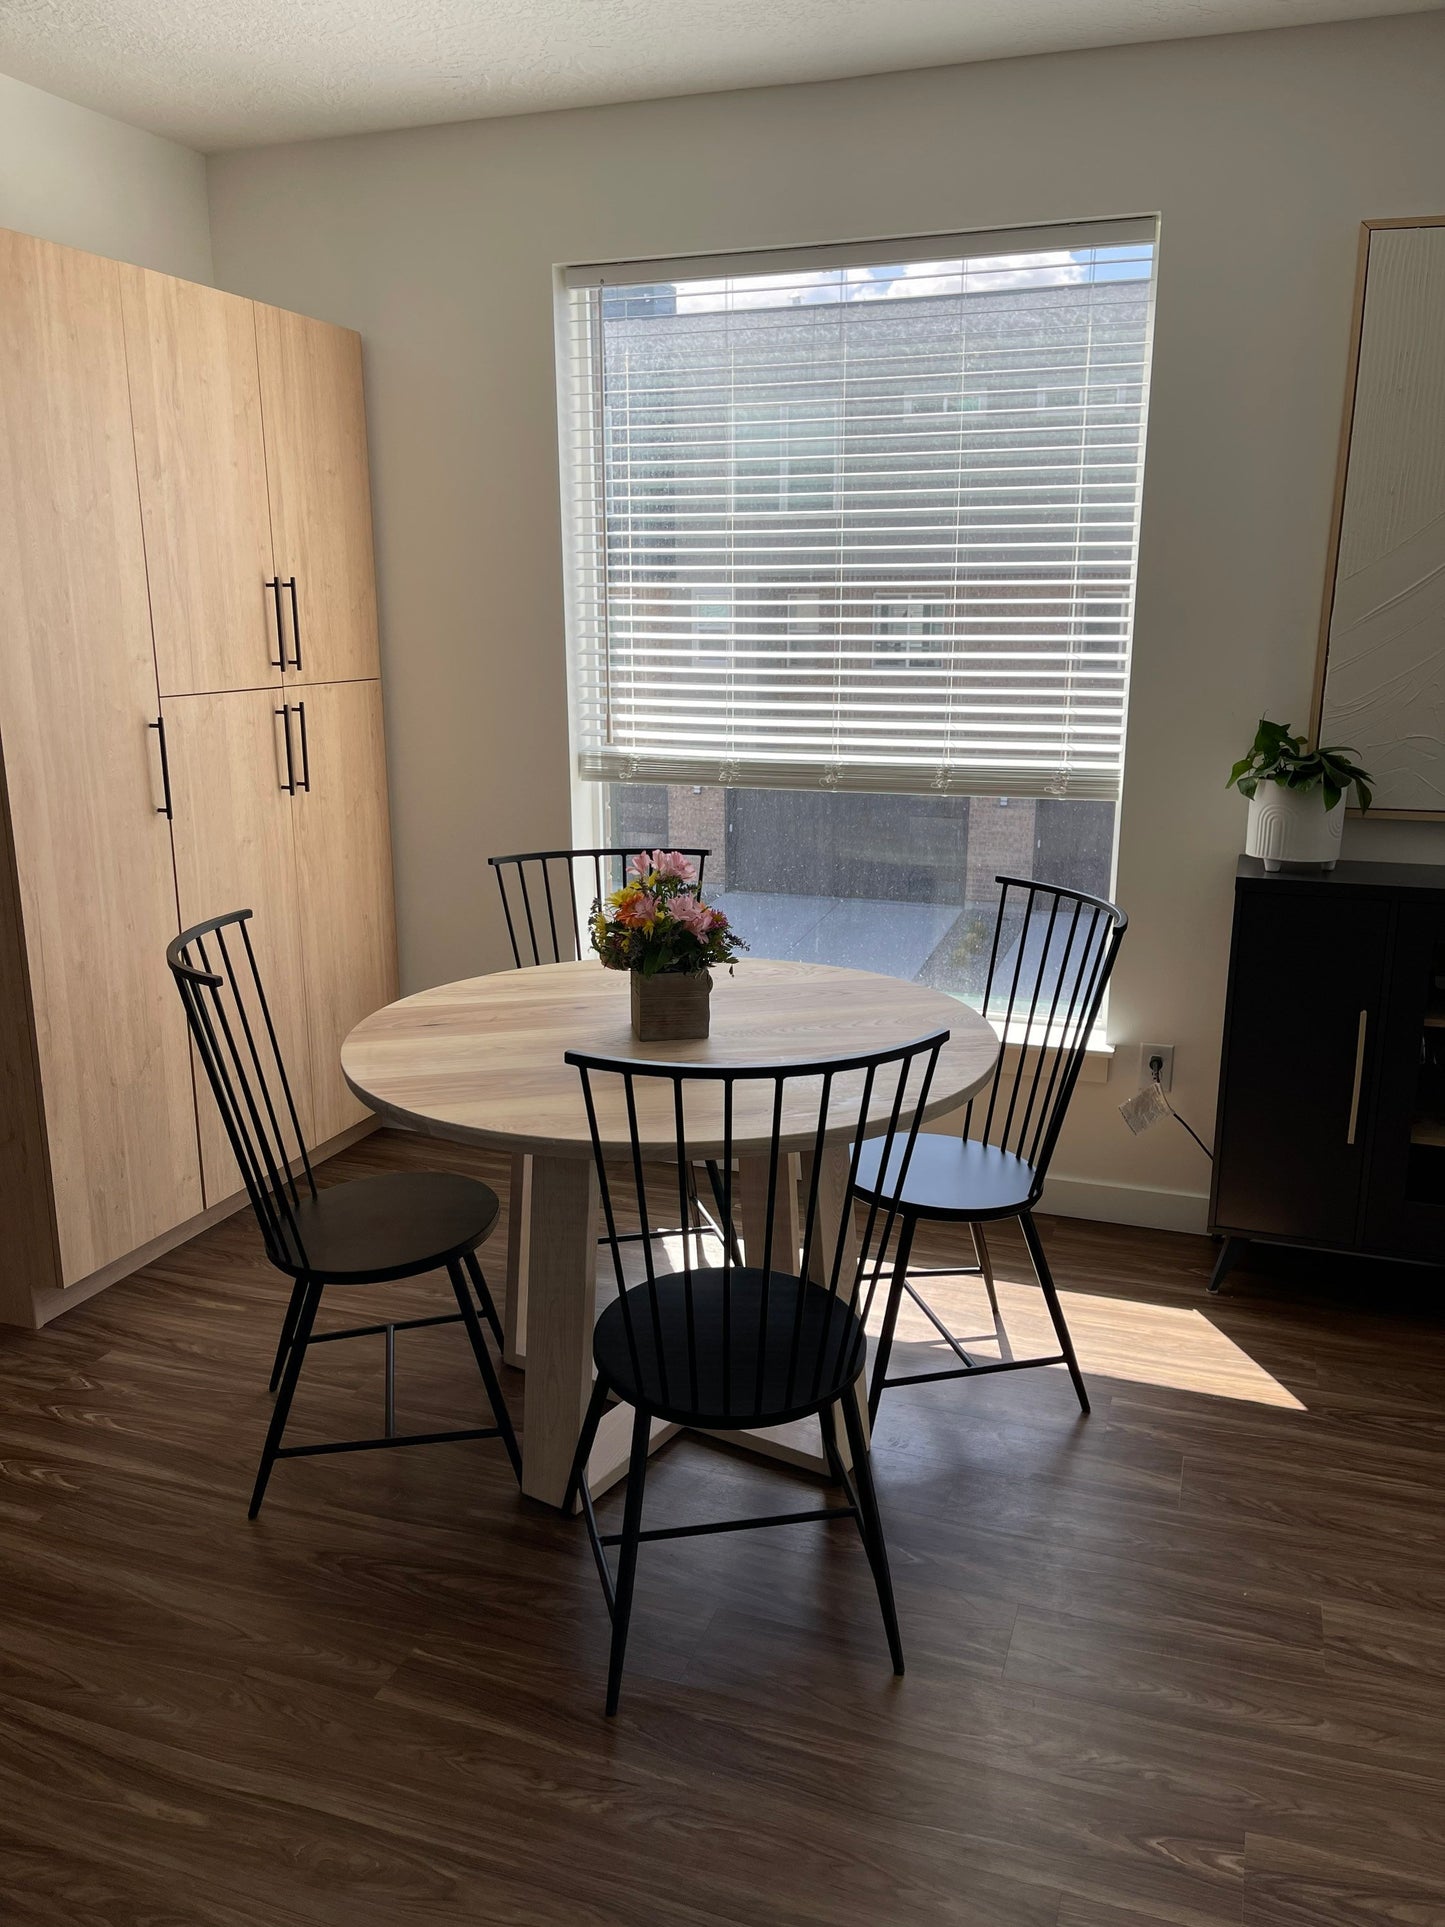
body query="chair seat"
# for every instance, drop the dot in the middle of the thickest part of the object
(766, 1369)
(393, 1225)
(950, 1177)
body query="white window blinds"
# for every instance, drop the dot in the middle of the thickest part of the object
(859, 519)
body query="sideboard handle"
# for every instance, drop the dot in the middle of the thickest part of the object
(1359, 1076)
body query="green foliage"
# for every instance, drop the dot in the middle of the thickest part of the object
(1278, 757)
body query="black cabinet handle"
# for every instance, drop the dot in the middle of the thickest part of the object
(305, 749)
(284, 712)
(274, 585)
(295, 625)
(163, 809)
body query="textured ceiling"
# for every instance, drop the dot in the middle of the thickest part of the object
(239, 73)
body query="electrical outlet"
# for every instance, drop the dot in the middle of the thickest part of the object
(1147, 1054)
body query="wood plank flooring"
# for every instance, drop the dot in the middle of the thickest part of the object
(1181, 1662)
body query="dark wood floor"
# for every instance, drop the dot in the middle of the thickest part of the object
(1182, 1662)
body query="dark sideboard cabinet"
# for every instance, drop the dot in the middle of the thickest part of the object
(1331, 1124)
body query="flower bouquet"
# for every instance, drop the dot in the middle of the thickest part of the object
(658, 928)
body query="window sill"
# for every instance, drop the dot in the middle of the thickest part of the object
(1098, 1056)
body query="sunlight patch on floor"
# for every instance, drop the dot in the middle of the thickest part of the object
(1169, 1345)
(706, 1253)
(1175, 1346)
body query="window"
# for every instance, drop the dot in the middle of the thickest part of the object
(805, 614)
(784, 453)
(910, 626)
(852, 540)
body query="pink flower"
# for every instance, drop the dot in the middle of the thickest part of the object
(694, 915)
(670, 865)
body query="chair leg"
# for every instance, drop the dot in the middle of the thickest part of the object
(694, 1225)
(587, 1438)
(985, 1265)
(724, 1217)
(485, 1365)
(1051, 1299)
(890, 1317)
(484, 1294)
(870, 1525)
(296, 1352)
(627, 1555)
(288, 1331)
(837, 1471)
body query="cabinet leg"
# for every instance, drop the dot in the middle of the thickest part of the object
(1230, 1254)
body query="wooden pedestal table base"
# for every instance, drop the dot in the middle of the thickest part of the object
(541, 1322)
(481, 1062)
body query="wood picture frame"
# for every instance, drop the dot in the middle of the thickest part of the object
(1359, 325)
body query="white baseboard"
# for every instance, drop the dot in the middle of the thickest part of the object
(47, 1303)
(1141, 1204)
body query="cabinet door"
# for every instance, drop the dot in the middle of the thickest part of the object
(343, 847)
(234, 851)
(320, 493)
(1306, 985)
(1405, 1204)
(77, 693)
(195, 390)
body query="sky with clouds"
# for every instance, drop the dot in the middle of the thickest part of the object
(976, 274)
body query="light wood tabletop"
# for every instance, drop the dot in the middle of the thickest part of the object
(483, 1062)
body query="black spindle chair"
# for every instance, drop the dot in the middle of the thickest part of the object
(1048, 968)
(544, 885)
(539, 897)
(372, 1230)
(739, 1347)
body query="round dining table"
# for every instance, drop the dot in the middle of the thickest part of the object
(482, 1062)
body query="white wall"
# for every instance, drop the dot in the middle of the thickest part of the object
(1262, 153)
(70, 175)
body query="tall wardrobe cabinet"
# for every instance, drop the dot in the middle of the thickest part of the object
(190, 722)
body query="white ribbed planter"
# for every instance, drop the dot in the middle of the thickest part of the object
(1293, 828)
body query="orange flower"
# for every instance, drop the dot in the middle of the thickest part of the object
(639, 911)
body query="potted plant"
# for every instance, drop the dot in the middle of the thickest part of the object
(658, 928)
(1294, 795)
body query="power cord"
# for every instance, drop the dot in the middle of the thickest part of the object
(1156, 1066)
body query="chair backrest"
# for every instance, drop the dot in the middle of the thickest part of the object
(657, 1118)
(539, 897)
(1053, 950)
(214, 966)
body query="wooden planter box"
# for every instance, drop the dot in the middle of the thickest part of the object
(670, 1006)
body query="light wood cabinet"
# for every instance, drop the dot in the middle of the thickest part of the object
(165, 452)
(343, 850)
(200, 458)
(320, 493)
(94, 892)
(235, 850)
